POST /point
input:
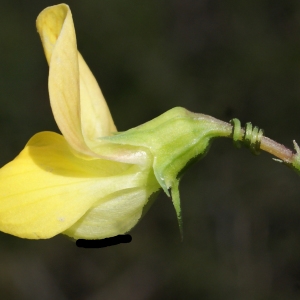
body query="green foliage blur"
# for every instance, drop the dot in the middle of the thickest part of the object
(241, 214)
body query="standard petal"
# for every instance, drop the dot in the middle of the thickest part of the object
(78, 105)
(96, 120)
(55, 26)
(46, 188)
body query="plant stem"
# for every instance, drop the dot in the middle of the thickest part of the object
(268, 145)
(277, 150)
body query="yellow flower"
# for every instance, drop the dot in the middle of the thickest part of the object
(73, 184)
(93, 182)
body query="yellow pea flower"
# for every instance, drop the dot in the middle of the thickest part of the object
(93, 182)
(66, 184)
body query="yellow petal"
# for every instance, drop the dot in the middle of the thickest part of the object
(79, 108)
(96, 120)
(46, 188)
(56, 29)
(115, 214)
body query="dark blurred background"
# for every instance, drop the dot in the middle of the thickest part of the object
(241, 213)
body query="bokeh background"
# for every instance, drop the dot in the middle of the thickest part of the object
(241, 213)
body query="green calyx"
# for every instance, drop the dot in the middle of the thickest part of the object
(175, 139)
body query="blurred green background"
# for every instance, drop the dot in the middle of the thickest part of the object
(241, 213)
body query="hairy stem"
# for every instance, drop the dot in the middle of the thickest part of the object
(268, 145)
(277, 150)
